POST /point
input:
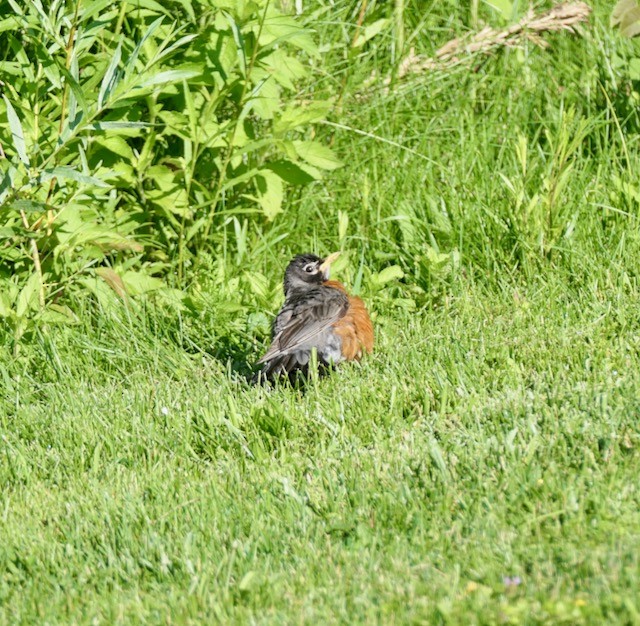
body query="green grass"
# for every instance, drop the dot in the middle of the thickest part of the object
(491, 437)
(493, 434)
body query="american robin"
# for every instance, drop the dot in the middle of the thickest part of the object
(317, 313)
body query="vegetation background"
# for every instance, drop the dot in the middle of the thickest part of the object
(160, 162)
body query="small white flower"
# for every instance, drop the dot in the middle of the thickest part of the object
(164, 410)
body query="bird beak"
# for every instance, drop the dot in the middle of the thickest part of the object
(326, 264)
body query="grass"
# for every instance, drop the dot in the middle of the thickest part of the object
(480, 468)
(492, 437)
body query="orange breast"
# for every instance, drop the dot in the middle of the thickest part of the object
(355, 328)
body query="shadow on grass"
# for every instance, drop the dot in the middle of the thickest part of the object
(237, 348)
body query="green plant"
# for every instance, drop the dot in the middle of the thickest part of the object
(539, 214)
(126, 138)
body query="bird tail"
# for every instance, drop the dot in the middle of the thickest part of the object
(291, 367)
(281, 366)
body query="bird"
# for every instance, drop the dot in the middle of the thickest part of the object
(317, 314)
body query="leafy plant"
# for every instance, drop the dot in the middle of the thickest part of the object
(539, 216)
(127, 139)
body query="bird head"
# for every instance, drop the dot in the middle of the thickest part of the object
(306, 271)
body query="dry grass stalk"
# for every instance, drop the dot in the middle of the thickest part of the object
(561, 17)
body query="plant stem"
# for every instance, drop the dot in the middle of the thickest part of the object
(363, 10)
(474, 14)
(345, 77)
(398, 15)
(63, 106)
(35, 255)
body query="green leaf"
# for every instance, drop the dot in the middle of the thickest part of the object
(17, 134)
(292, 173)
(151, 5)
(317, 155)
(7, 182)
(77, 95)
(270, 193)
(138, 283)
(110, 78)
(174, 46)
(297, 115)
(626, 15)
(29, 206)
(5, 305)
(119, 125)
(504, 7)
(369, 32)
(280, 28)
(284, 68)
(169, 191)
(11, 68)
(393, 272)
(102, 292)
(117, 145)
(22, 57)
(131, 61)
(64, 172)
(28, 296)
(436, 455)
(169, 76)
(436, 258)
(248, 581)
(343, 225)
(58, 314)
(73, 117)
(93, 7)
(259, 283)
(237, 38)
(9, 24)
(265, 98)
(188, 8)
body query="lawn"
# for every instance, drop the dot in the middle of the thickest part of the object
(481, 467)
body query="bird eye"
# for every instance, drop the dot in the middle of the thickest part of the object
(310, 268)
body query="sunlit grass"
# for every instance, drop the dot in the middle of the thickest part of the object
(480, 468)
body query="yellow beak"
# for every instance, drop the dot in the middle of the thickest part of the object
(326, 264)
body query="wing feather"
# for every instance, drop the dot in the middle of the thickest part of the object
(306, 319)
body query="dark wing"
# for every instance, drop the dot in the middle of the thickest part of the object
(301, 322)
